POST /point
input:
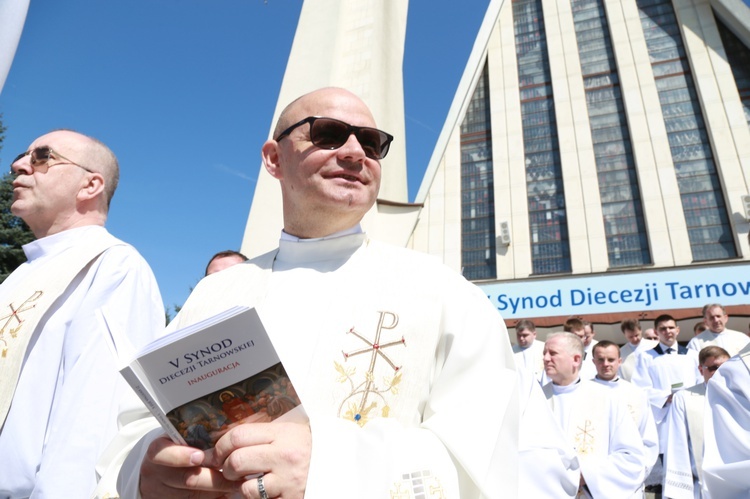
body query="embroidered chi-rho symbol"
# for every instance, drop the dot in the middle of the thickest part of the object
(585, 438)
(13, 318)
(359, 403)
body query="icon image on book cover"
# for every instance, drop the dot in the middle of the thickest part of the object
(259, 398)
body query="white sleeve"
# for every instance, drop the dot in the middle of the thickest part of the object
(678, 470)
(726, 457)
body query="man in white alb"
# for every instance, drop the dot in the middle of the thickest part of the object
(528, 352)
(715, 318)
(597, 425)
(683, 457)
(635, 342)
(59, 385)
(726, 451)
(607, 361)
(663, 370)
(404, 368)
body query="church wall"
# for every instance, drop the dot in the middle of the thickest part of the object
(666, 226)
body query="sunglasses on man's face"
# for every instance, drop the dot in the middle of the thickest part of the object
(330, 133)
(41, 156)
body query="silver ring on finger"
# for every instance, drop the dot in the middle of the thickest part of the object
(262, 488)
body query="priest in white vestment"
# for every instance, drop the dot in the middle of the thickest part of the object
(61, 388)
(664, 369)
(529, 351)
(543, 448)
(726, 454)
(597, 425)
(634, 343)
(715, 318)
(404, 367)
(607, 361)
(683, 457)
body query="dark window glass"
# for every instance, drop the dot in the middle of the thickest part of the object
(478, 257)
(701, 193)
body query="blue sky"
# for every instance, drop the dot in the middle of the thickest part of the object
(184, 92)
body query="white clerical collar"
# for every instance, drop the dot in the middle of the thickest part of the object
(635, 346)
(606, 382)
(715, 335)
(285, 236)
(55, 243)
(560, 389)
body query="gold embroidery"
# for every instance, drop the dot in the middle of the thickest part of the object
(418, 485)
(13, 331)
(359, 410)
(585, 438)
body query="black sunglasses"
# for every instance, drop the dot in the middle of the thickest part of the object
(40, 156)
(330, 133)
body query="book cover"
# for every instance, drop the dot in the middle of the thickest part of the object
(202, 380)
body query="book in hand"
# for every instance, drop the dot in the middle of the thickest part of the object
(202, 380)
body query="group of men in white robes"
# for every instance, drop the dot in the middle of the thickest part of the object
(597, 423)
(403, 367)
(669, 393)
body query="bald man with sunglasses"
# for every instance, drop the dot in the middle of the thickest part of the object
(59, 388)
(404, 368)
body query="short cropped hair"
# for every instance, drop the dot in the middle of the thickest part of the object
(708, 307)
(663, 318)
(572, 342)
(525, 325)
(711, 351)
(572, 324)
(224, 254)
(606, 344)
(630, 325)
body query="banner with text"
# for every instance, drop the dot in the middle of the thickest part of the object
(628, 292)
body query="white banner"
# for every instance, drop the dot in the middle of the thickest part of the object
(628, 292)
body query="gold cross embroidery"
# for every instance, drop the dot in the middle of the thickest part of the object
(13, 331)
(585, 438)
(376, 351)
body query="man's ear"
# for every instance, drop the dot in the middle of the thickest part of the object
(270, 155)
(93, 186)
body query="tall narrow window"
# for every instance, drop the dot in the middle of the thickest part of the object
(738, 56)
(703, 203)
(477, 195)
(627, 243)
(550, 250)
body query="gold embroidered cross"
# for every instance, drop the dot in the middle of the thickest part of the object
(585, 437)
(376, 351)
(14, 315)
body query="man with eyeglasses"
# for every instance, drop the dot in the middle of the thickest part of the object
(683, 457)
(404, 367)
(59, 388)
